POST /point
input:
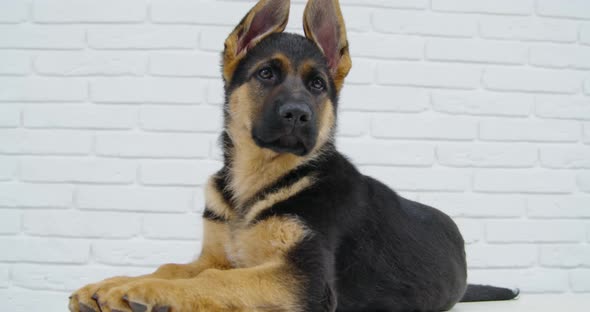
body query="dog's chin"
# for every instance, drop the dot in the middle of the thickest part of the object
(286, 144)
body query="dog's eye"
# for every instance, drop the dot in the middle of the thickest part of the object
(266, 73)
(317, 84)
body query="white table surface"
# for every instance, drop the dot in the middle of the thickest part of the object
(536, 303)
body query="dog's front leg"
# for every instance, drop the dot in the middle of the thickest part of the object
(85, 299)
(286, 268)
(212, 256)
(269, 287)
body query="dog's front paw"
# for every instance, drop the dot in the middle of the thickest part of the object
(86, 298)
(146, 295)
(156, 295)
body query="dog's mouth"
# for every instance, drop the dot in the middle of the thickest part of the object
(284, 144)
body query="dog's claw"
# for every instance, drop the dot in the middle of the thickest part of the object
(161, 309)
(137, 307)
(85, 308)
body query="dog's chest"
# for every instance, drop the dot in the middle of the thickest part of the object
(263, 242)
(241, 252)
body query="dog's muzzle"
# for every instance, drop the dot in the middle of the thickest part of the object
(290, 130)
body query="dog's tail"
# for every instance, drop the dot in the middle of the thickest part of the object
(488, 293)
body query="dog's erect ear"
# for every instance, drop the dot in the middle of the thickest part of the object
(323, 23)
(266, 18)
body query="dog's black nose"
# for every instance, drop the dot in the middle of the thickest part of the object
(297, 114)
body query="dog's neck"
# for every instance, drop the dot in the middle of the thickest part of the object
(251, 168)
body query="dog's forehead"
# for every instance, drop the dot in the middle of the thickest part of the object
(299, 51)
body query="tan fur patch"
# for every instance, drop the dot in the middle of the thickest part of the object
(266, 241)
(215, 237)
(270, 287)
(306, 67)
(277, 197)
(241, 111)
(327, 123)
(230, 62)
(343, 68)
(284, 61)
(286, 65)
(259, 280)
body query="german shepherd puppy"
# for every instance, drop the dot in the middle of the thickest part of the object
(290, 224)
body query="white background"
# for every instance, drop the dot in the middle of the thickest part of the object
(110, 110)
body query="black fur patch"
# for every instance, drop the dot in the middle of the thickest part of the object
(221, 183)
(212, 216)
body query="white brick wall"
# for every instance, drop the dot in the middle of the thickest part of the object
(110, 109)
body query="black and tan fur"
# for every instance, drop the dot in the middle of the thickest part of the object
(289, 223)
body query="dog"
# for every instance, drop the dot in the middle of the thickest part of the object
(289, 223)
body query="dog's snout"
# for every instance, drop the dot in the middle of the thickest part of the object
(295, 113)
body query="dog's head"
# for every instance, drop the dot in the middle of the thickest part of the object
(282, 89)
